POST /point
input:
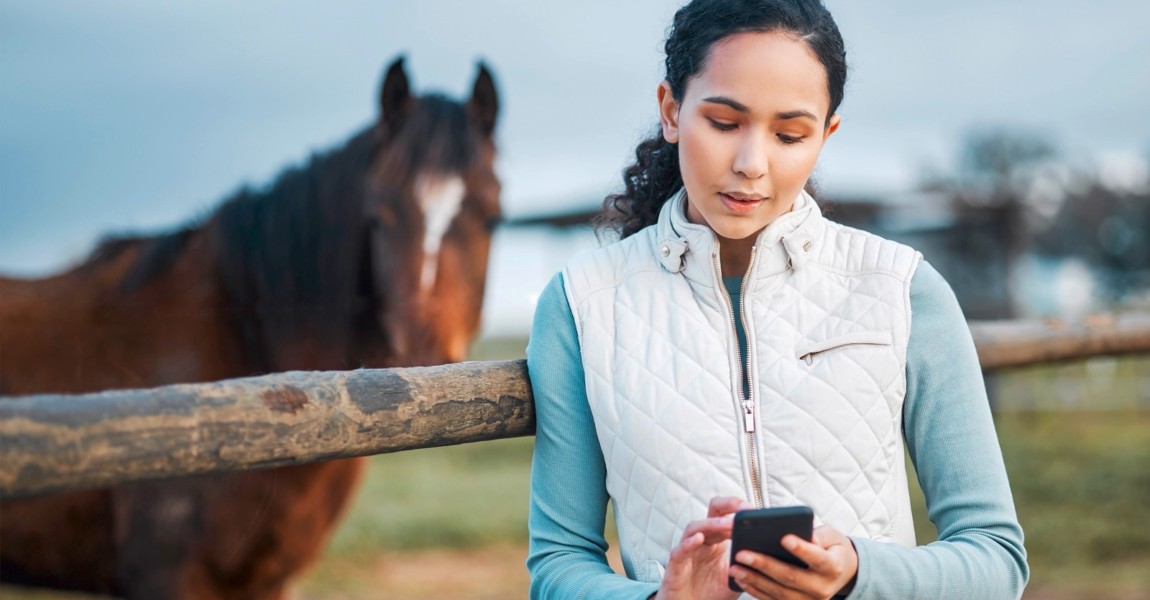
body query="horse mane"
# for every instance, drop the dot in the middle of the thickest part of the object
(109, 248)
(157, 253)
(293, 257)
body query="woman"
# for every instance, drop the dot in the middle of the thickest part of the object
(736, 349)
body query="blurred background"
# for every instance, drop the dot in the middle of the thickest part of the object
(1006, 140)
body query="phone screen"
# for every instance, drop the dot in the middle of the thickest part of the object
(762, 530)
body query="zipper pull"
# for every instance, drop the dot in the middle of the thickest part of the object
(749, 415)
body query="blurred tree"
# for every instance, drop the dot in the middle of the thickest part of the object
(986, 194)
(997, 155)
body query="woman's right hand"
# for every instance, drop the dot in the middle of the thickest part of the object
(698, 567)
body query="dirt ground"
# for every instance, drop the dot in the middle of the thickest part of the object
(490, 573)
(487, 574)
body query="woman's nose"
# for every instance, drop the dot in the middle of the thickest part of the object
(751, 159)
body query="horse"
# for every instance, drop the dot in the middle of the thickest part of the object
(373, 254)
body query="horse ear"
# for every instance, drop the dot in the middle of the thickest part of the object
(484, 103)
(395, 96)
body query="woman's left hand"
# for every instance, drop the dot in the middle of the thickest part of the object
(831, 559)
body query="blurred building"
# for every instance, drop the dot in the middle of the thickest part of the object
(1039, 239)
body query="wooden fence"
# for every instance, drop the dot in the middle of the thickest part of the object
(53, 443)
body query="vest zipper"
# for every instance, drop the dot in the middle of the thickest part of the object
(746, 402)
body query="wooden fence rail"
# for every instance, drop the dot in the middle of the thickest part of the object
(53, 443)
(1005, 344)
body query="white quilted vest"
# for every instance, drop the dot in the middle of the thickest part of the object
(826, 310)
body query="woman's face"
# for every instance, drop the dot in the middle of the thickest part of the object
(750, 127)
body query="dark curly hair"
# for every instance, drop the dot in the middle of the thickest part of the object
(655, 176)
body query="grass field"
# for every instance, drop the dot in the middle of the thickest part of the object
(451, 522)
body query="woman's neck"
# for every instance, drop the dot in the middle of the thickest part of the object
(735, 255)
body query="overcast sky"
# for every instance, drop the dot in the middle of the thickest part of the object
(131, 115)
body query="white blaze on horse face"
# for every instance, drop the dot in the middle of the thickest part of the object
(440, 197)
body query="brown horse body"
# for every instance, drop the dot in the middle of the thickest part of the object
(373, 255)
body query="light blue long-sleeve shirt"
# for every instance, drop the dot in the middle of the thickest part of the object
(949, 434)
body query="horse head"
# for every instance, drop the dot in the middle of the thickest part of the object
(432, 204)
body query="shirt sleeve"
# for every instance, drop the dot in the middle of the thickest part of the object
(952, 443)
(567, 554)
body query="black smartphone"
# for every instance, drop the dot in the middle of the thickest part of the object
(761, 530)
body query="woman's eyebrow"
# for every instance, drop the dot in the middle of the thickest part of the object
(735, 104)
(739, 106)
(795, 114)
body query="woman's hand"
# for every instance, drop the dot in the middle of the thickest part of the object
(831, 559)
(697, 569)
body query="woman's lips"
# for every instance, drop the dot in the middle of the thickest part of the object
(740, 205)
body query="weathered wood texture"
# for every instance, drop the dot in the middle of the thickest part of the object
(1003, 344)
(56, 442)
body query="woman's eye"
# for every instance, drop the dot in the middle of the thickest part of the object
(790, 139)
(721, 125)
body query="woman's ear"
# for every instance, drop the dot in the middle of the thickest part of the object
(668, 113)
(832, 126)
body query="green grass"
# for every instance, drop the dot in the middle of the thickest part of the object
(1100, 383)
(498, 349)
(455, 497)
(1081, 483)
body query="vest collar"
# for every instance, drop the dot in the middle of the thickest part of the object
(689, 248)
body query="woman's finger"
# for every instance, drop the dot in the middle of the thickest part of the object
(680, 566)
(781, 575)
(715, 529)
(787, 575)
(685, 548)
(759, 586)
(815, 556)
(724, 505)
